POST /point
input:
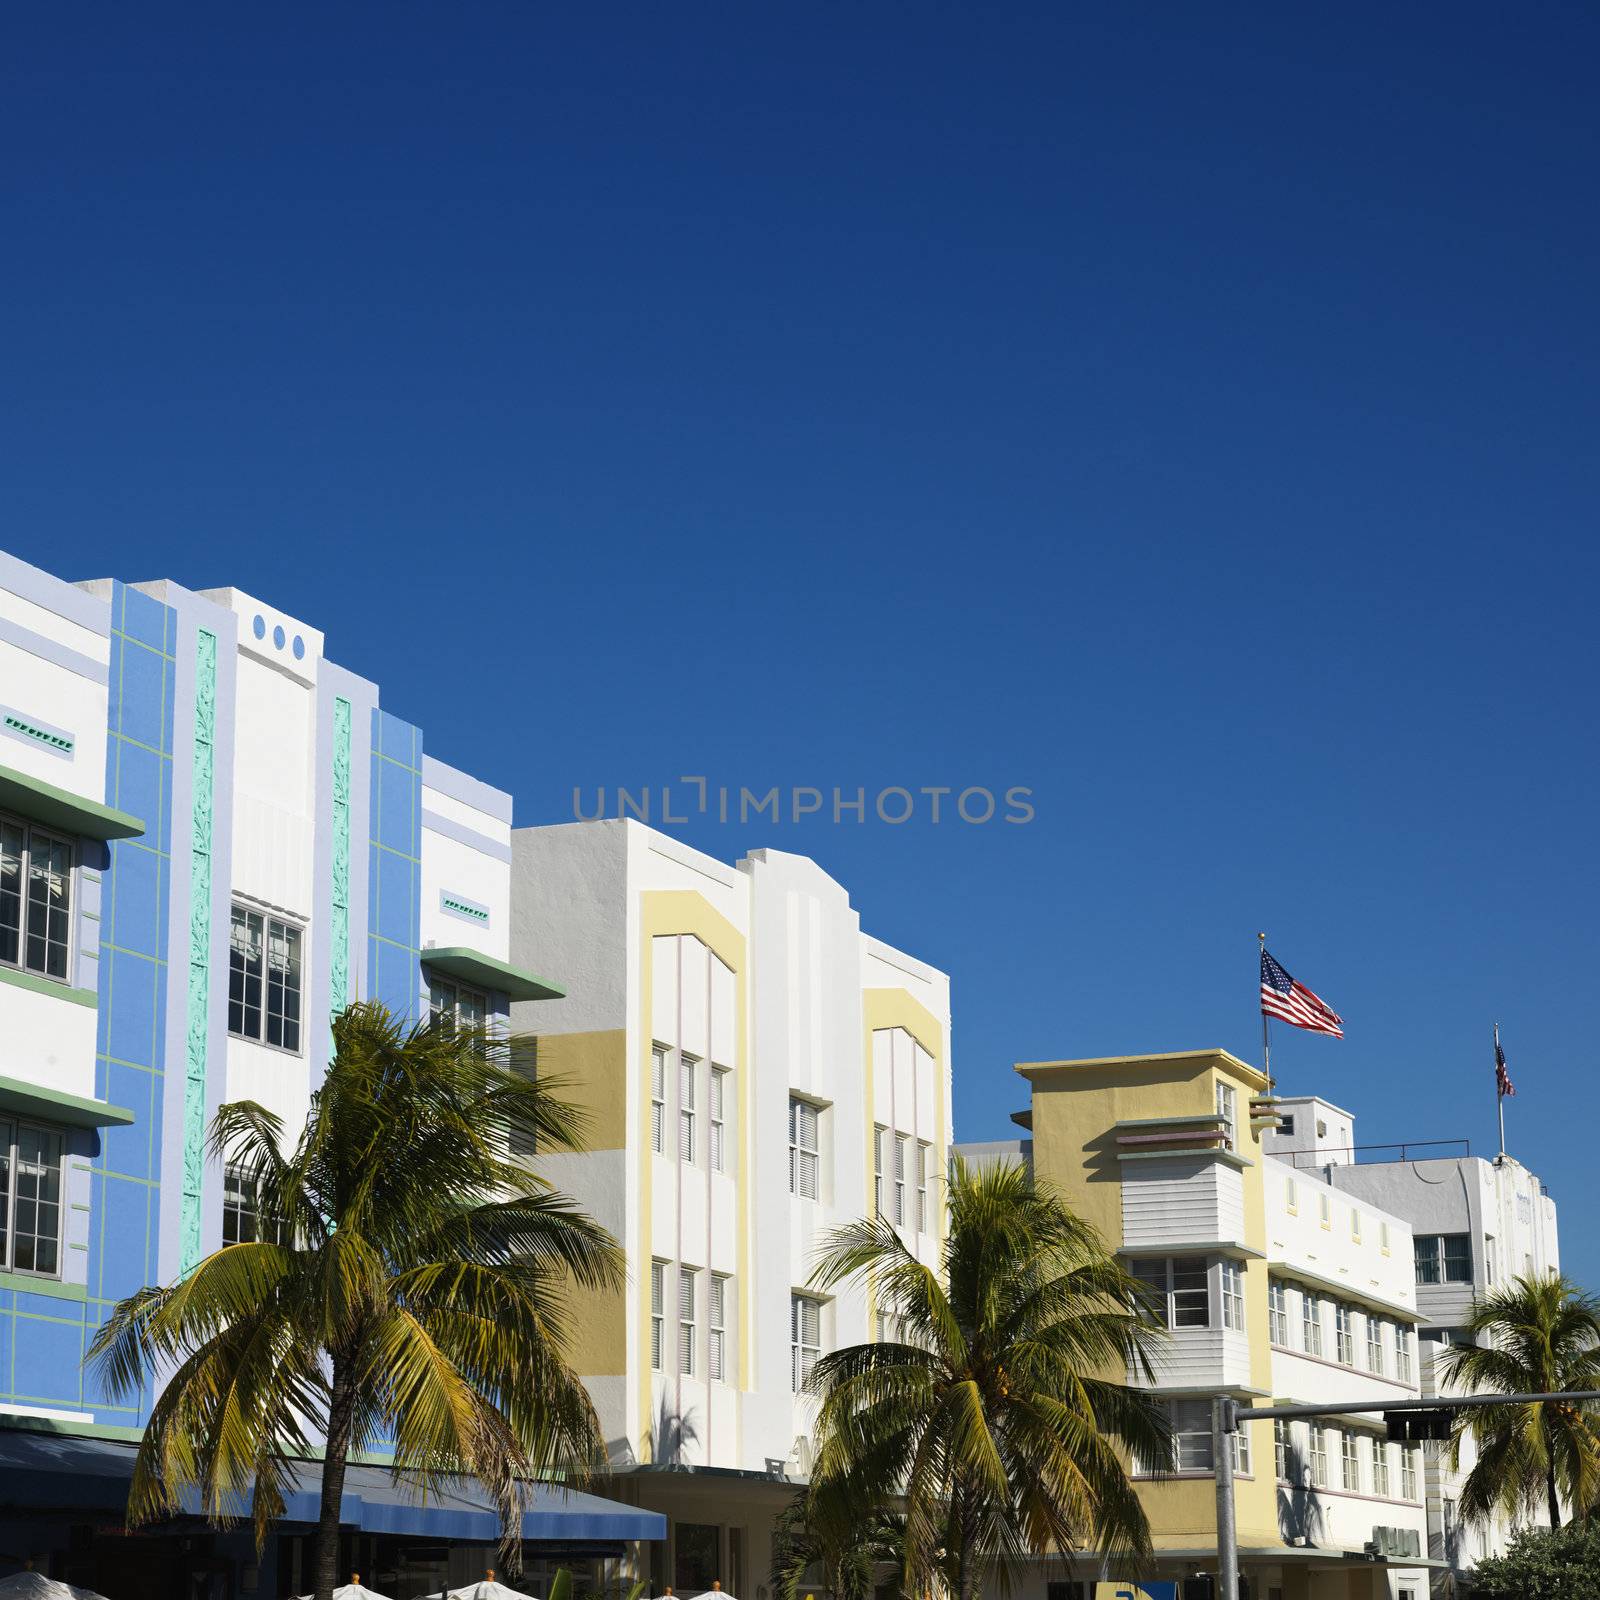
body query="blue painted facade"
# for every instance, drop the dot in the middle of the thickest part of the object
(135, 928)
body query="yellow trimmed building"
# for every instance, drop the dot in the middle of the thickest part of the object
(756, 1070)
(1274, 1288)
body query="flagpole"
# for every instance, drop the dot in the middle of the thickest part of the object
(1499, 1096)
(1266, 1037)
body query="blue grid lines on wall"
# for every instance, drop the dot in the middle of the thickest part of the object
(394, 879)
(112, 1176)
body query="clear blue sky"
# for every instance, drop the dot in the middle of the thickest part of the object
(1191, 416)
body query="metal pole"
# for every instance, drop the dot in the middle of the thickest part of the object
(1223, 1424)
(1266, 1037)
(1499, 1098)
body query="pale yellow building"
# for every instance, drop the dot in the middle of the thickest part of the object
(1274, 1289)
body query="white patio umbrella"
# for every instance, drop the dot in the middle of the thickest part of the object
(32, 1585)
(350, 1591)
(488, 1588)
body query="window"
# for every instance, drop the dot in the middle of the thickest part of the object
(1178, 1287)
(241, 1211)
(1355, 1225)
(719, 1105)
(1488, 1259)
(1374, 1344)
(1350, 1461)
(880, 1135)
(1286, 1126)
(30, 1199)
(1408, 1471)
(1228, 1110)
(1191, 1438)
(803, 1158)
(805, 1337)
(35, 900)
(1278, 1314)
(658, 1314)
(924, 1156)
(1444, 1258)
(658, 1099)
(1319, 1457)
(1380, 1468)
(1280, 1449)
(1402, 1353)
(452, 1004)
(1311, 1322)
(900, 1143)
(1325, 1210)
(1383, 1237)
(686, 1277)
(264, 980)
(1232, 1295)
(1344, 1339)
(1291, 1196)
(686, 1066)
(716, 1319)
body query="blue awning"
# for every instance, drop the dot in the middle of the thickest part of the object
(68, 1471)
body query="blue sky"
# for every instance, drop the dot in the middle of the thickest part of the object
(1188, 416)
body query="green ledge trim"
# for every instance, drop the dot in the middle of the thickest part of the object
(24, 1423)
(72, 813)
(53, 1287)
(51, 986)
(1179, 1153)
(1171, 1122)
(472, 966)
(55, 1104)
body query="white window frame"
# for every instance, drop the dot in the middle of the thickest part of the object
(1278, 1313)
(1280, 1449)
(1344, 1335)
(687, 1072)
(1231, 1276)
(437, 984)
(1380, 1468)
(52, 1166)
(1228, 1110)
(716, 1328)
(658, 1316)
(1159, 1274)
(1408, 1471)
(717, 1111)
(803, 1351)
(241, 1211)
(1311, 1322)
(924, 1157)
(28, 831)
(1192, 1452)
(880, 1136)
(1350, 1460)
(901, 1144)
(1402, 1352)
(1375, 1362)
(688, 1295)
(269, 921)
(805, 1159)
(1319, 1456)
(1430, 1248)
(658, 1098)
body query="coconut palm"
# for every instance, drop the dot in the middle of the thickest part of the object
(822, 1530)
(408, 1291)
(1538, 1335)
(999, 1413)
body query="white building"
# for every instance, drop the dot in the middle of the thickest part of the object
(757, 1071)
(1477, 1224)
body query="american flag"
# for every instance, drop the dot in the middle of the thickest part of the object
(1282, 997)
(1502, 1078)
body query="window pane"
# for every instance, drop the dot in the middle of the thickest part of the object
(1191, 1297)
(49, 882)
(1427, 1253)
(1457, 1258)
(37, 1223)
(10, 893)
(245, 961)
(283, 985)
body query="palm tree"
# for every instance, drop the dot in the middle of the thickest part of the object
(998, 1411)
(823, 1529)
(1540, 1335)
(408, 1291)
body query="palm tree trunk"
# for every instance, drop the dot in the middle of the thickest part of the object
(325, 1550)
(1554, 1498)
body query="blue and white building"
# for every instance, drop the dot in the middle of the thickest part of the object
(212, 837)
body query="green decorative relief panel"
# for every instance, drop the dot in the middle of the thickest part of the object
(199, 1012)
(339, 921)
(45, 736)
